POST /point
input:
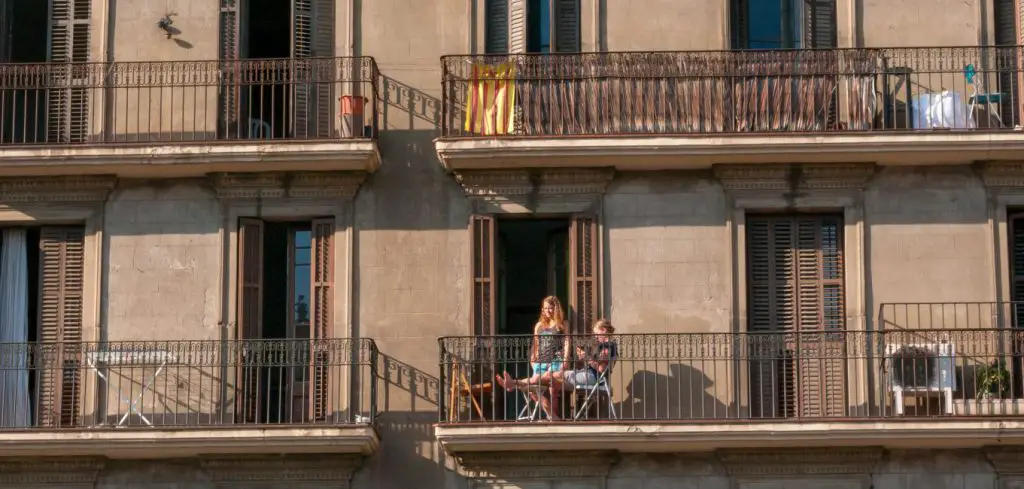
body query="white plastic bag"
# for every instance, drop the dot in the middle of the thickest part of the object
(944, 110)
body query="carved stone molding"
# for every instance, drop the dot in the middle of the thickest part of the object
(299, 472)
(794, 178)
(66, 473)
(299, 185)
(1003, 176)
(536, 465)
(817, 462)
(84, 189)
(535, 191)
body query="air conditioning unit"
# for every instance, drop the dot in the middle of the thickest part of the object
(921, 369)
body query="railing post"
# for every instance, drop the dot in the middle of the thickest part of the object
(442, 384)
(373, 381)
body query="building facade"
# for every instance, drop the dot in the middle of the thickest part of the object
(254, 248)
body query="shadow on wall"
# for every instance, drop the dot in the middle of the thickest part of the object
(684, 393)
(409, 457)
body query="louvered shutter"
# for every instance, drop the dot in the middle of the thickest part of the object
(250, 318)
(61, 257)
(517, 26)
(739, 24)
(68, 100)
(496, 27)
(584, 267)
(230, 53)
(482, 228)
(325, 71)
(301, 86)
(819, 24)
(795, 309)
(1006, 34)
(567, 26)
(322, 330)
(1017, 267)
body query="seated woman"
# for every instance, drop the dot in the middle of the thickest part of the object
(549, 350)
(596, 363)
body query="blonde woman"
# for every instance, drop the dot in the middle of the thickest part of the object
(596, 361)
(549, 351)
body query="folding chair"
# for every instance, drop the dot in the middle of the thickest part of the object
(592, 392)
(531, 409)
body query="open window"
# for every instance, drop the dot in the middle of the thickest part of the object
(277, 89)
(284, 307)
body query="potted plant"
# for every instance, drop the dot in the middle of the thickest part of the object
(993, 380)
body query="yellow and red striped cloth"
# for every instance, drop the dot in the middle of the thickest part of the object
(491, 99)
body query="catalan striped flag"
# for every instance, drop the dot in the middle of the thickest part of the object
(491, 99)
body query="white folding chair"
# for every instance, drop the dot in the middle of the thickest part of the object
(592, 392)
(531, 409)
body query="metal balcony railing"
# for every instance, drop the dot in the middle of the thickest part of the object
(167, 102)
(714, 92)
(187, 384)
(890, 374)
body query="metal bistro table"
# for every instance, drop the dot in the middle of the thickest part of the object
(102, 360)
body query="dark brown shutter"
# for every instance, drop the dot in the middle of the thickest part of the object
(230, 53)
(567, 26)
(325, 71)
(250, 317)
(496, 27)
(738, 24)
(1017, 267)
(61, 257)
(1006, 34)
(323, 325)
(302, 47)
(6, 18)
(68, 101)
(795, 310)
(819, 24)
(584, 271)
(482, 240)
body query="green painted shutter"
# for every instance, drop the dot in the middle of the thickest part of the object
(819, 24)
(738, 24)
(567, 26)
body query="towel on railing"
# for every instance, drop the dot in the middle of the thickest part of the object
(491, 99)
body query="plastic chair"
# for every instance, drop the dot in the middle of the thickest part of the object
(980, 96)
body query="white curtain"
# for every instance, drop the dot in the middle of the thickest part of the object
(15, 410)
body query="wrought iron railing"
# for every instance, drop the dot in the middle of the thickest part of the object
(708, 92)
(187, 384)
(170, 102)
(752, 377)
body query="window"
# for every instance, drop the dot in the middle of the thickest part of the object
(41, 286)
(795, 298)
(536, 26)
(285, 291)
(783, 24)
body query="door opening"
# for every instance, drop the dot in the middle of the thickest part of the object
(533, 263)
(24, 37)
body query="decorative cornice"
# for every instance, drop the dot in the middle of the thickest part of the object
(778, 462)
(300, 185)
(794, 178)
(510, 183)
(1003, 175)
(319, 471)
(536, 465)
(49, 472)
(81, 189)
(1006, 459)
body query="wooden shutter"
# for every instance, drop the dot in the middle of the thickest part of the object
(1006, 34)
(1017, 267)
(323, 326)
(517, 26)
(819, 24)
(250, 318)
(567, 26)
(6, 18)
(68, 100)
(795, 307)
(496, 27)
(61, 257)
(325, 72)
(228, 123)
(738, 24)
(483, 234)
(584, 269)
(301, 86)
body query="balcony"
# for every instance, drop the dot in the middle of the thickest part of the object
(691, 110)
(165, 399)
(898, 388)
(189, 118)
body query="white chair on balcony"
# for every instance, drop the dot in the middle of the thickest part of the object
(592, 393)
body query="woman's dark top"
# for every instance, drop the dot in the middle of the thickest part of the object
(607, 351)
(549, 345)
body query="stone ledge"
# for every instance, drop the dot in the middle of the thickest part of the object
(290, 185)
(191, 159)
(701, 151)
(696, 437)
(155, 443)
